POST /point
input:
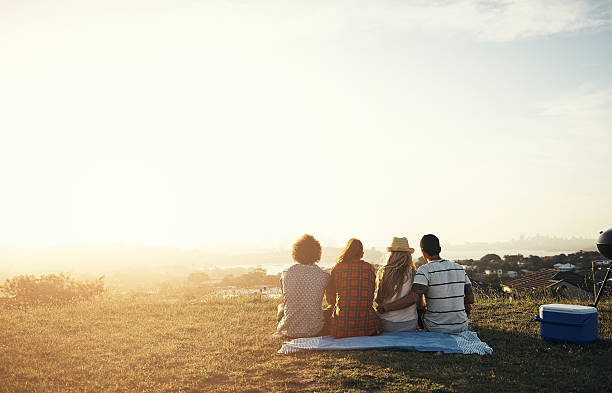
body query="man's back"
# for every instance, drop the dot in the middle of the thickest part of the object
(445, 281)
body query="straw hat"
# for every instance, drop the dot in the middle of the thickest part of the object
(400, 244)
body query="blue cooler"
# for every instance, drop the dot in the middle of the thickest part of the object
(568, 323)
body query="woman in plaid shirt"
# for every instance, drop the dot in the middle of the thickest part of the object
(351, 293)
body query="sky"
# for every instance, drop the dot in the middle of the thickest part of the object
(239, 124)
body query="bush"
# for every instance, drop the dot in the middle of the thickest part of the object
(29, 290)
(253, 278)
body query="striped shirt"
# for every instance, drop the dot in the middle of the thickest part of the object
(445, 282)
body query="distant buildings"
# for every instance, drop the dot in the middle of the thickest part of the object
(564, 266)
(498, 272)
(565, 283)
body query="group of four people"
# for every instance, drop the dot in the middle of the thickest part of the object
(363, 302)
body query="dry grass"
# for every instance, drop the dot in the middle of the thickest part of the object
(152, 344)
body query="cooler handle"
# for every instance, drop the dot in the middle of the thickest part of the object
(537, 318)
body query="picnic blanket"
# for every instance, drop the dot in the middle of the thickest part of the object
(465, 342)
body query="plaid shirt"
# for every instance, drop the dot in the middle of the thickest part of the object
(353, 284)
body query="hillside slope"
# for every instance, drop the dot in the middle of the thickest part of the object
(225, 345)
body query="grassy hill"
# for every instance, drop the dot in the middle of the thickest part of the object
(152, 344)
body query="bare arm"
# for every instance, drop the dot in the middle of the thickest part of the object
(413, 297)
(421, 304)
(330, 293)
(468, 299)
(468, 295)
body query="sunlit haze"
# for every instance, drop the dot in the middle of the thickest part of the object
(241, 125)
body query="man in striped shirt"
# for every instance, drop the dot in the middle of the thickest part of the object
(447, 290)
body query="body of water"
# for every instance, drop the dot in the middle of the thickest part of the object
(275, 268)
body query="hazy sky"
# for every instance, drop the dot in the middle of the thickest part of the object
(247, 123)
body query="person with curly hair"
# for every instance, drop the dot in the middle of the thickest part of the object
(351, 294)
(303, 285)
(393, 281)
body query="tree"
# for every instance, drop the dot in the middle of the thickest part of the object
(28, 290)
(534, 262)
(513, 259)
(491, 259)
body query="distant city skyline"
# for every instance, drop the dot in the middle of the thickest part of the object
(110, 258)
(526, 243)
(241, 125)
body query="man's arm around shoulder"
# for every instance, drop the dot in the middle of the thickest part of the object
(415, 296)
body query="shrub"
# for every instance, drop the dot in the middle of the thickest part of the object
(255, 277)
(27, 290)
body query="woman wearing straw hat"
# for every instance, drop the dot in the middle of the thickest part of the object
(393, 281)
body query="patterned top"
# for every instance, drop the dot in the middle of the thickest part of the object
(353, 284)
(302, 287)
(445, 282)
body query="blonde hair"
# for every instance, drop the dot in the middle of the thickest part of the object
(392, 276)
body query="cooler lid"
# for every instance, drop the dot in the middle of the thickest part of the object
(568, 308)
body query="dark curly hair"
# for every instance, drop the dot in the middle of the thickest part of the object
(306, 250)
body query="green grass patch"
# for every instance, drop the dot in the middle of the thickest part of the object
(153, 344)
